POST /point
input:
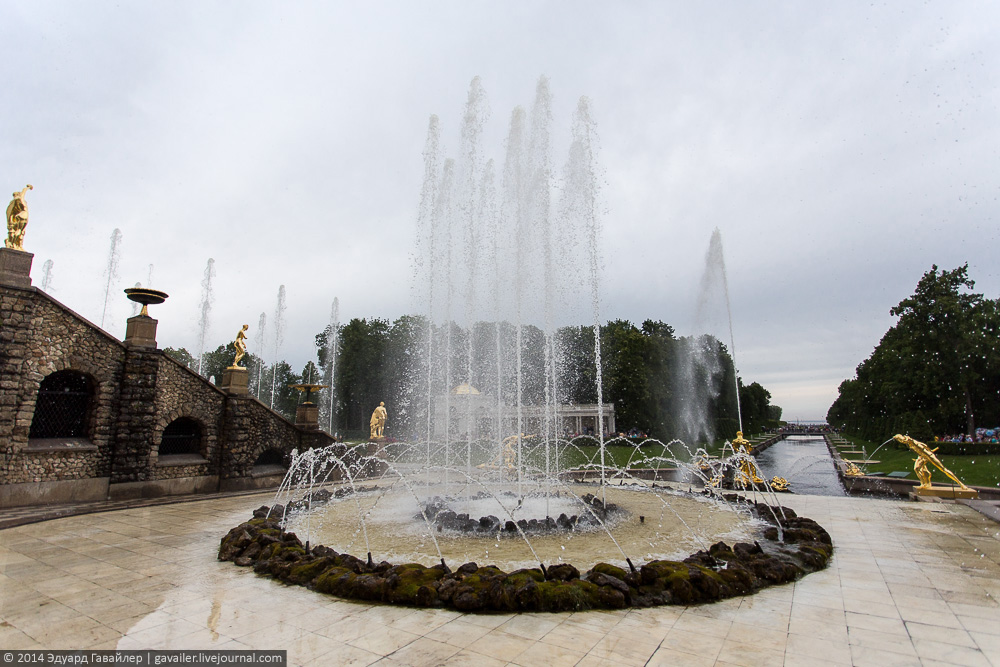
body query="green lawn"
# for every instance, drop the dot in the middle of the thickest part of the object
(974, 469)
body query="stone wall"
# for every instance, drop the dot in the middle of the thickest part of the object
(137, 393)
(40, 336)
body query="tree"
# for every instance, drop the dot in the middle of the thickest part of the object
(182, 355)
(932, 370)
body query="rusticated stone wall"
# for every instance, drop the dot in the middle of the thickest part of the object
(138, 392)
(39, 336)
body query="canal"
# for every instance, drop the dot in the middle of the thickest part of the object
(805, 462)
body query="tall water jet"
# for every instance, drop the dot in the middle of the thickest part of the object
(702, 363)
(491, 277)
(135, 304)
(328, 409)
(111, 271)
(715, 273)
(149, 277)
(47, 276)
(581, 204)
(279, 337)
(205, 309)
(258, 346)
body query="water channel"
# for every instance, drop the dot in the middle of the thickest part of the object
(805, 461)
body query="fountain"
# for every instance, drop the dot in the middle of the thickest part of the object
(111, 272)
(205, 309)
(556, 522)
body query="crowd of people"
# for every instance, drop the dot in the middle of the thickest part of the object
(989, 435)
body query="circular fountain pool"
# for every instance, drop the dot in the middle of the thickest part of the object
(650, 525)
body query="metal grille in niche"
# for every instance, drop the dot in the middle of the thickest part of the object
(181, 436)
(62, 406)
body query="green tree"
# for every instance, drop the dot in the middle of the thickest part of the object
(181, 355)
(932, 370)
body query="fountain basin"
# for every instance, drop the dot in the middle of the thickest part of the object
(781, 548)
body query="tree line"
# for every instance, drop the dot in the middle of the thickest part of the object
(655, 379)
(641, 374)
(935, 372)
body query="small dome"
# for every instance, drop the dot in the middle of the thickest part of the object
(464, 389)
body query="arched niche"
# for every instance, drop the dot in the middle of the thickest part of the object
(181, 437)
(63, 406)
(270, 462)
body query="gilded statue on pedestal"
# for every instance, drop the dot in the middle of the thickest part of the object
(378, 421)
(17, 220)
(926, 455)
(241, 346)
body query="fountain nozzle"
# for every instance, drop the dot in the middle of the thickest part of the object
(545, 573)
(631, 567)
(370, 562)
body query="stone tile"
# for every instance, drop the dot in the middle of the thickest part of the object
(425, 652)
(529, 627)
(831, 630)
(693, 642)
(344, 656)
(945, 619)
(383, 641)
(458, 633)
(668, 657)
(949, 653)
(499, 645)
(573, 638)
(772, 640)
(623, 648)
(750, 655)
(990, 626)
(541, 653)
(945, 635)
(809, 646)
(471, 659)
(702, 625)
(885, 610)
(864, 656)
(882, 641)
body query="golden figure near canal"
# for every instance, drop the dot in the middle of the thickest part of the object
(378, 421)
(926, 455)
(17, 220)
(241, 346)
(748, 469)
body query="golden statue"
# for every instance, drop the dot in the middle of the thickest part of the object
(851, 470)
(748, 469)
(926, 455)
(17, 220)
(378, 421)
(508, 455)
(241, 346)
(779, 483)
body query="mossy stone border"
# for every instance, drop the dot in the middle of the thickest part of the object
(705, 576)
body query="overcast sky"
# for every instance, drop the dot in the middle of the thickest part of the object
(841, 148)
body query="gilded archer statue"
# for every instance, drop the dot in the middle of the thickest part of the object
(17, 220)
(378, 421)
(241, 346)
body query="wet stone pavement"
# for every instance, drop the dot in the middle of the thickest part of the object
(909, 584)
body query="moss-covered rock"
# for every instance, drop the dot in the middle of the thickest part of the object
(719, 572)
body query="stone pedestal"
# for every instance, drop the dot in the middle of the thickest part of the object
(946, 492)
(140, 331)
(15, 267)
(307, 416)
(236, 380)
